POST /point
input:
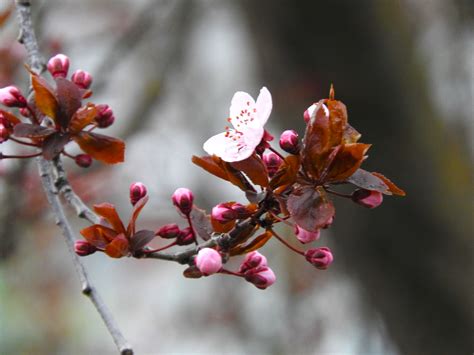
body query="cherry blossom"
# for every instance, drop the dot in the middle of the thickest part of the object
(247, 118)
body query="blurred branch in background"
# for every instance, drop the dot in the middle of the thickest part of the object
(411, 260)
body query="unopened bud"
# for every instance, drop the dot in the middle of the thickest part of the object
(185, 237)
(169, 231)
(25, 112)
(320, 258)
(183, 199)
(84, 248)
(58, 66)
(4, 133)
(309, 112)
(261, 277)
(305, 236)
(11, 96)
(82, 79)
(367, 198)
(223, 213)
(253, 260)
(241, 210)
(289, 142)
(208, 261)
(273, 162)
(137, 192)
(83, 160)
(105, 116)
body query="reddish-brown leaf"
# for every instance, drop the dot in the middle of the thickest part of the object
(347, 160)
(28, 130)
(391, 186)
(211, 165)
(255, 244)
(337, 121)
(136, 211)
(104, 148)
(216, 166)
(108, 211)
(44, 97)
(192, 272)
(69, 99)
(141, 239)
(54, 144)
(254, 168)
(222, 227)
(98, 235)
(287, 173)
(201, 223)
(118, 247)
(364, 179)
(310, 208)
(350, 135)
(10, 117)
(82, 118)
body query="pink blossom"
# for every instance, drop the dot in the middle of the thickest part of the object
(311, 111)
(253, 260)
(305, 236)
(247, 118)
(261, 277)
(272, 162)
(82, 79)
(58, 66)
(137, 192)
(83, 160)
(367, 198)
(11, 96)
(289, 142)
(183, 199)
(320, 258)
(169, 231)
(84, 248)
(223, 213)
(208, 261)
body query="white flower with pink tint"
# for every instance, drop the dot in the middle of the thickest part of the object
(248, 118)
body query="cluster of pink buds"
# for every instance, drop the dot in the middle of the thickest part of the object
(11, 96)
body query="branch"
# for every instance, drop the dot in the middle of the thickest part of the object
(28, 39)
(64, 187)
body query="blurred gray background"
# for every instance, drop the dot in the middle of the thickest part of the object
(402, 278)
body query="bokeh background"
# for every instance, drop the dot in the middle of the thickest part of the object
(402, 281)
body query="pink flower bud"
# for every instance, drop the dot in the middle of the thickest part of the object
(183, 199)
(82, 79)
(272, 161)
(252, 260)
(309, 112)
(261, 277)
(83, 160)
(25, 112)
(105, 116)
(289, 142)
(223, 213)
(169, 231)
(267, 137)
(367, 198)
(58, 66)
(208, 261)
(4, 133)
(11, 96)
(185, 237)
(84, 248)
(137, 192)
(320, 258)
(305, 236)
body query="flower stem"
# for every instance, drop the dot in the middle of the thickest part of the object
(338, 193)
(276, 152)
(149, 251)
(19, 141)
(228, 272)
(190, 222)
(3, 156)
(285, 242)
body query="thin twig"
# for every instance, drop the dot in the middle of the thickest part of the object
(35, 60)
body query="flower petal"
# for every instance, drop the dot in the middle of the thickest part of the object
(243, 112)
(229, 149)
(264, 105)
